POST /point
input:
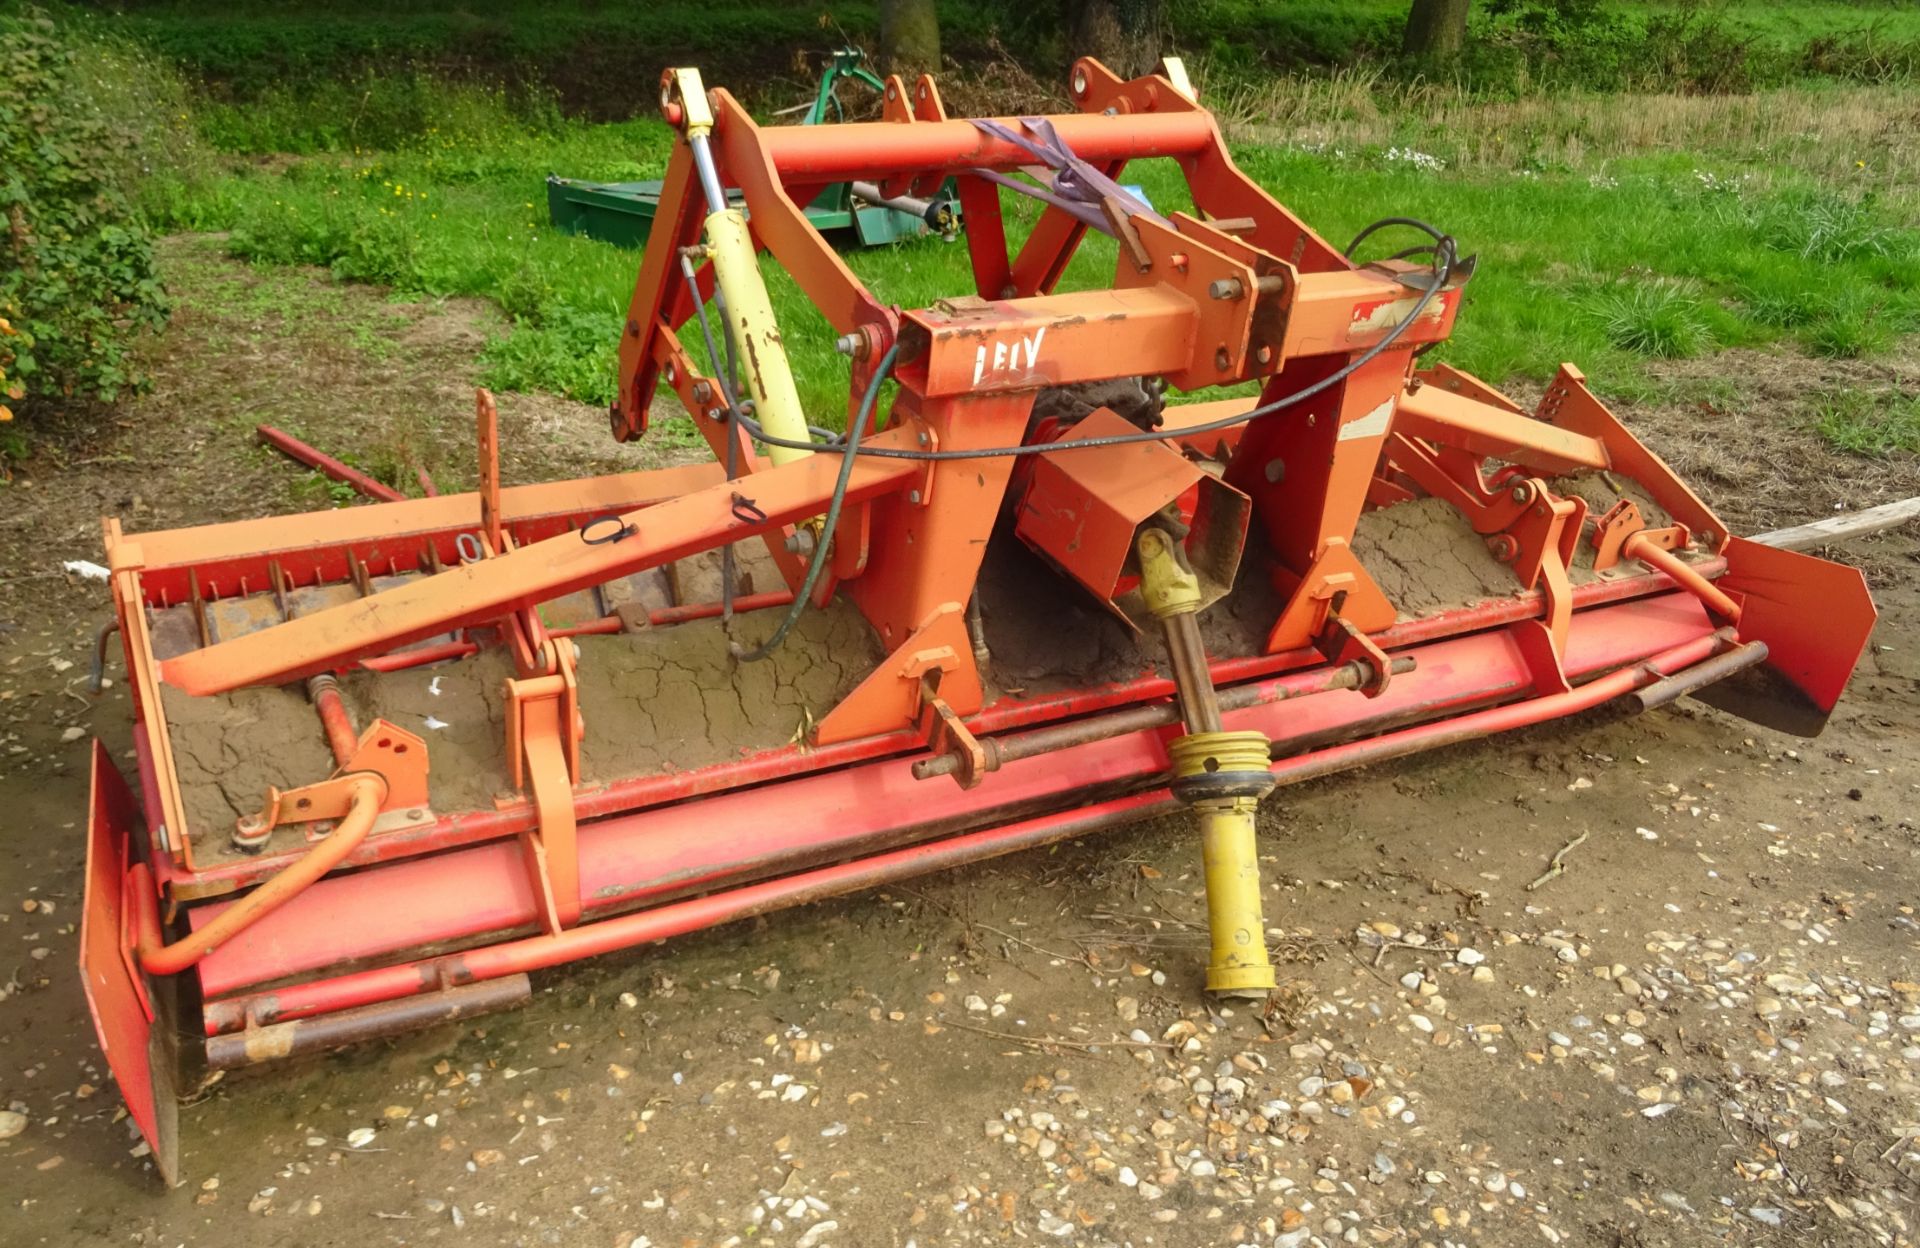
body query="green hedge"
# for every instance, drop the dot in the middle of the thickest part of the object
(77, 276)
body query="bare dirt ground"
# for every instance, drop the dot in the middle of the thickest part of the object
(1707, 1030)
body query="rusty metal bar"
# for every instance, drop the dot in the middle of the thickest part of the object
(1012, 748)
(254, 1046)
(1700, 675)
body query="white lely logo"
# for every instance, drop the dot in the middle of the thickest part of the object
(1018, 356)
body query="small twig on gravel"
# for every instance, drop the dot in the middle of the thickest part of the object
(1558, 866)
(1045, 1042)
(1111, 916)
(1381, 950)
(1009, 936)
(1352, 957)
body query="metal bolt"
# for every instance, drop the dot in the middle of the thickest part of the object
(1276, 471)
(913, 496)
(853, 345)
(1264, 355)
(923, 439)
(702, 392)
(1227, 288)
(1222, 360)
(1522, 492)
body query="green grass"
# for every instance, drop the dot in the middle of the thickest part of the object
(1654, 318)
(1604, 236)
(1869, 423)
(1650, 260)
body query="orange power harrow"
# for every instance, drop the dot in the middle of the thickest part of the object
(1021, 600)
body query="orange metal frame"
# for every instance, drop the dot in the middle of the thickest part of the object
(1237, 291)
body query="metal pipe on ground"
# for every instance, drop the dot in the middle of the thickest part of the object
(326, 464)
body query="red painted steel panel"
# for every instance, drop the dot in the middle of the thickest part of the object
(458, 829)
(122, 1014)
(630, 859)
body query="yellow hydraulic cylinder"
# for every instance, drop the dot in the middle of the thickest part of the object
(1222, 775)
(756, 334)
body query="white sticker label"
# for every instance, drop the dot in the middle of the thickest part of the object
(1007, 357)
(1372, 425)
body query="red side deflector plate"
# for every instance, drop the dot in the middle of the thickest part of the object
(1816, 617)
(122, 1012)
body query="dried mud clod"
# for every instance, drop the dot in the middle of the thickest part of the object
(1425, 556)
(677, 698)
(230, 748)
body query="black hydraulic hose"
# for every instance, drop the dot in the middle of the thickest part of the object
(1387, 222)
(825, 546)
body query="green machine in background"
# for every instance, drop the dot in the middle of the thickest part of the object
(622, 212)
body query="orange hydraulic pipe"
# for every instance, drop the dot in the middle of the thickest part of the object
(365, 793)
(341, 738)
(1683, 575)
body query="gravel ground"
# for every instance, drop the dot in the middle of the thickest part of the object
(1705, 1029)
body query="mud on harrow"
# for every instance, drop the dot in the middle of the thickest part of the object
(395, 758)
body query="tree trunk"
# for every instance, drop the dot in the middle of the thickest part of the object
(1124, 35)
(909, 38)
(1436, 29)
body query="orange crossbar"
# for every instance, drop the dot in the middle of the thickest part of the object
(864, 151)
(391, 522)
(486, 589)
(1438, 415)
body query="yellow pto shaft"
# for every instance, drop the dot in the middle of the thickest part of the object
(1222, 775)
